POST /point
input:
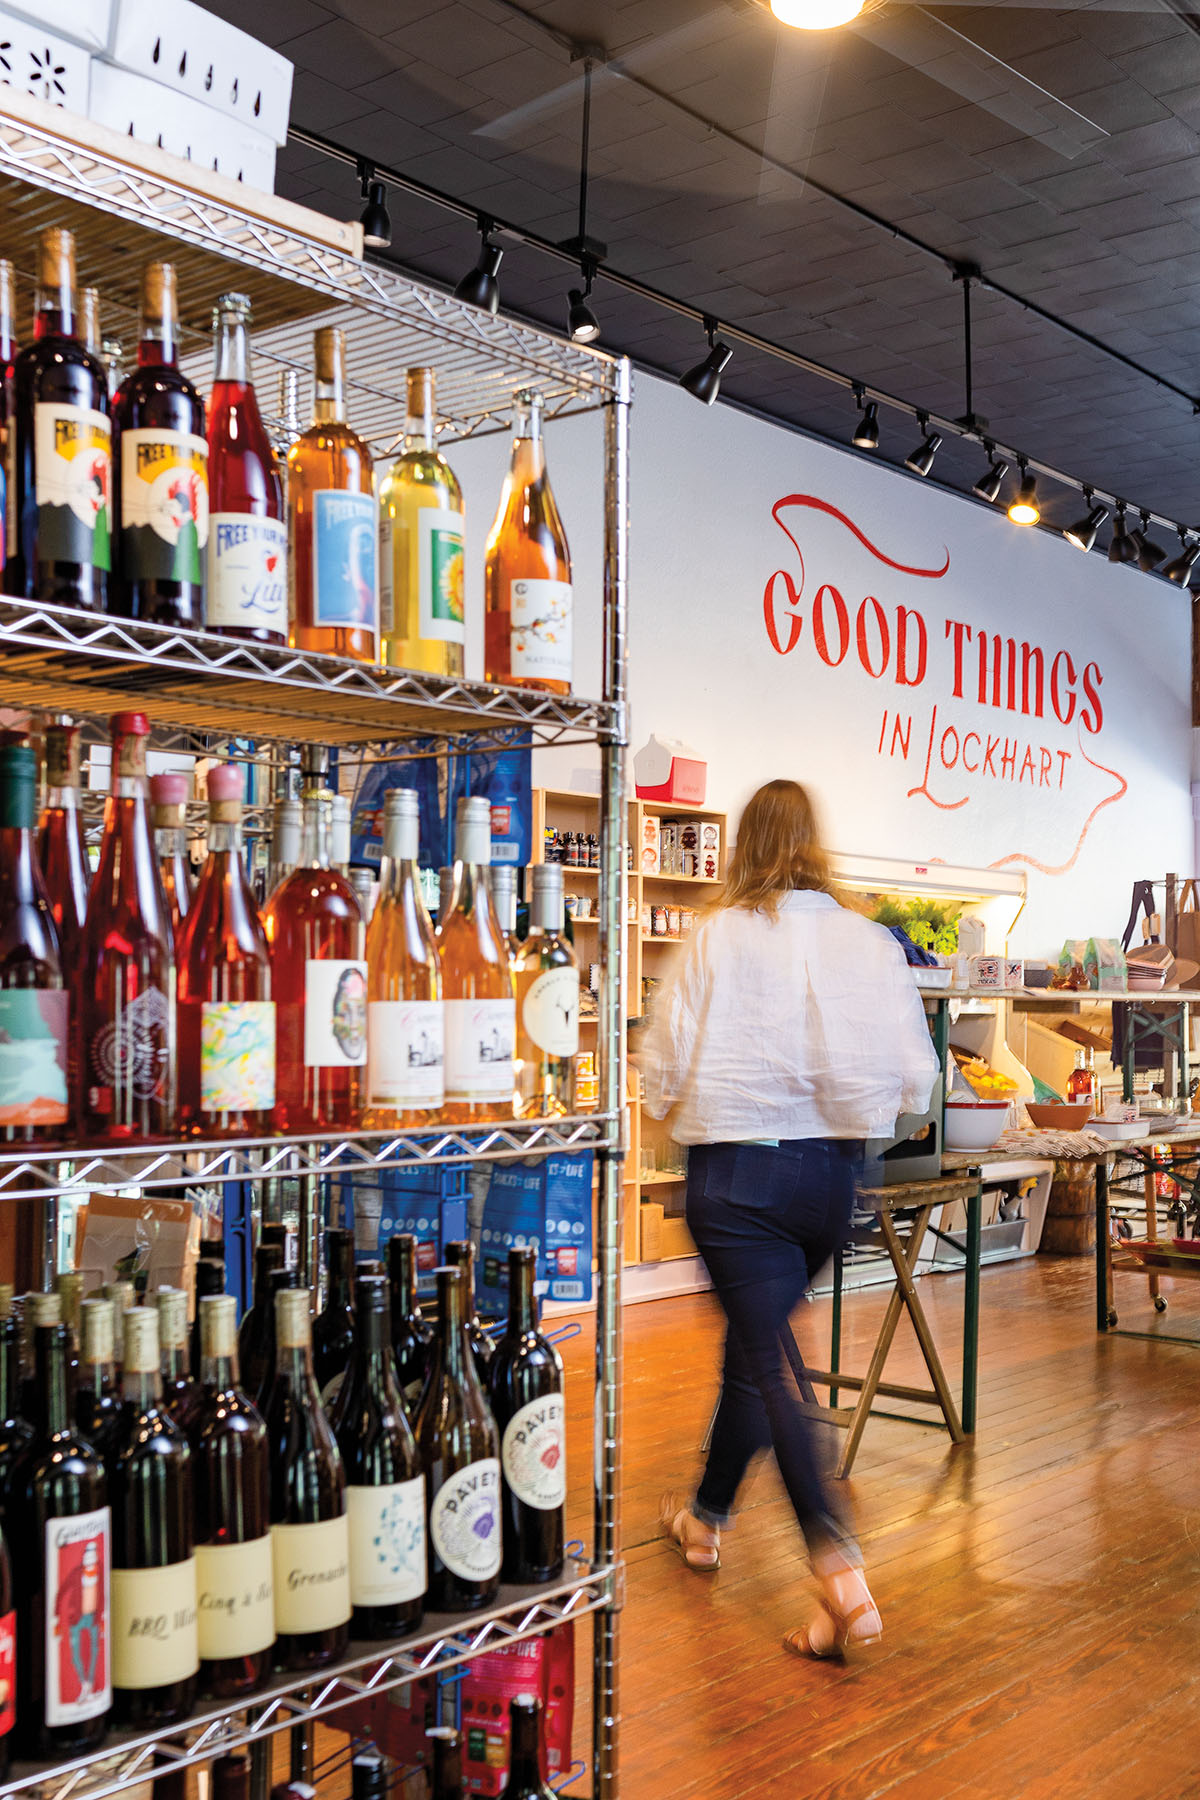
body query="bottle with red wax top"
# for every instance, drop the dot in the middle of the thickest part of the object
(247, 539)
(168, 799)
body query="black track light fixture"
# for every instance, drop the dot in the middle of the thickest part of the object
(920, 460)
(1083, 532)
(992, 480)
(479, 286)
(866, 432)
(376, 221)
(1180, 567)
(704, 381)
(582, 323)
(1122, 549)
(1023, 509)
(1149, 554)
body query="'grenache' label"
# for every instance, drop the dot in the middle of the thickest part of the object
(132, 1052)
(387, 1542)
(541, 629)
(235, 1610)
(479, 1049)
(464, 1521)
(72, 451)
(550, 1010)
(237, 1055)
(33, 1056)
(405, 1053)
(312, 1575)
(78, 1671)
(247, 572)
(534, 1453)
(164, 506)
(8, 1672)
(344, 560)
(335, 1014)
(154, 1634)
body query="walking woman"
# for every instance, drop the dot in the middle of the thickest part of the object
(792, 1032)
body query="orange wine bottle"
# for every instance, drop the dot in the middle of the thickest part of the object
(332, 523)
(527, 573)
(405, 1030)
(477, 986)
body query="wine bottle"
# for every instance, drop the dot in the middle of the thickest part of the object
(315, 929)
(179, 1392)
(546, 979)
(61, 850)
(234, 1577)
(310, 1540)
(339, 836)
(247, 539)
(33, 999)
(461, 1255)
(125, 1030)
(230, 1776)
(421, 547)
(447, 1763)
(226, 1013)
(97, 1390)
(385, 1489)
(61, 472)
(333, 1327)
(61, 1520)
(370, 1775)
(460, 1449)
(527, 569)
(412, 1335)
(477, 986)
(502, 880)
(8, 409)
(209, 1284)
(526, 1385)
(257, 1329)
(89, 309)
(8, 1658)
(160, 470)
(68, 1285)
(525, 1765)
(405, 1021)
(332, 528)
(286, 827)
(168, 803)
(16, 1432)
(124, 1299)
(155, 1646)
(278, 1281)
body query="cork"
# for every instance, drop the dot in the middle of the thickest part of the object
(90, 311)
(225, 794)
(329, 355)
(422, 392)
(6, 1299)
(218, 1325)
(158, 293)
(140, 1353)
(56, 259)
(97, 1332)
(293, 1318)
(45, 1309)
(68, 1285)
(172, 1317)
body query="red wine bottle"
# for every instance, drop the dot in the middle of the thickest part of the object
(333, 1327)
(385, 1489)
(8, 1658)
(97, 1390)
(310, 1539)
(230, 1776)
(412, 1335)
(527, 1399)
(461, 1255)
(370, 1775)
(33, 1000)
(209, 1284)
(447, 1763)
(62, 1522)
(460, 1448)
(179, 1394)
(16, 1432)
(233, 1529)
(256, 1332)
(247, 540)
(61, 850)
(277, 1281)
(525, 1768)
(155, 1646)
(8, 408)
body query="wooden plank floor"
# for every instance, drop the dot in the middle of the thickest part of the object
(1039, 1588)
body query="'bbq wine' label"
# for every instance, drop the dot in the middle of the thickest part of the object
(33, 1056)
(406, 1041)
(534, 1453)
(550, 1010)
(312, 1575)
(234, 1599)
(8, 1672)
(480, 1036)
(345, 572)
(540, 623)
(387, 1542)
(154, 1632)
(164, 506)
(78, 1667)
(464, 1521)
(72, 453)
(237, 1055)
(335, 1014)
(247, 572)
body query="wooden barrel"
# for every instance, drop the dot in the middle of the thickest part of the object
(1070, 1228)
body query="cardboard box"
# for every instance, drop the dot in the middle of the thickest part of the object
(652, 1231)
(85, 22)
(154, 114)
(183, 47)
(667, 769)
(677, 1240)
(44, 65)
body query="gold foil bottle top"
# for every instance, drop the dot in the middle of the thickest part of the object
(218, 1325)
(293, 1318)
(62, 755)
(159, 303)
(56, 259)
(172, 1317)
(6, 1299)
(422, 391)
(45, 1309)
(140, 1351)
(90, 314)
(68, 1285)
(97, 1332)
(329, 355)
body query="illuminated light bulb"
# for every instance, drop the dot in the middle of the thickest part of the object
(816, 15)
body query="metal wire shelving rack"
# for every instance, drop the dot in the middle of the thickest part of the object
(204, 691)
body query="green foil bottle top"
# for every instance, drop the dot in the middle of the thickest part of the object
(18, 786)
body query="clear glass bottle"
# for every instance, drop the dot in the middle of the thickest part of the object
(421, 547)
(247, 540)
(527, 571)
(477, 985)
(333, 531)
(405, 1019)
(287, 824)
(502, 879)
(546, 979)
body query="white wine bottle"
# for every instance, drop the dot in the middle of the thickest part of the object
(546, 978)
(421, 591)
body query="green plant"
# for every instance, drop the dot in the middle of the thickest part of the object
(932, 925)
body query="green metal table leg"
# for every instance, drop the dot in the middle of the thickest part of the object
(970, 1366)
(835, 1348)
(1103, 1251)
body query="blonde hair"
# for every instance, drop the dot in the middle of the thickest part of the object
(778, 848)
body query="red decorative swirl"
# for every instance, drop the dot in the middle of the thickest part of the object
(1119, 793)
(810, 500)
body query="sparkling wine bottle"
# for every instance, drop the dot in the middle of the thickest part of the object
(247, 539)
(405, 1021)
(314, 925)
(460, 1449)
(385, 1489)
(226, 1013)
(125, 1031)
(155, 1646)
(16, 1432)
(421, 547)
(61, 548)
(98, 1390)
(525, 1764)
(160, 468)
(257, 1329)
(61, 850)
(447, 1763)
(333, 532)
(461, 1255)
(168, 807)
(526, 1383)
(333, 1327)
(477, 986)
(546, 979)
(234, 1577)
(527, 572)
(33, 1000)
(412, 1335)
(310, 1540)
(179, 1392)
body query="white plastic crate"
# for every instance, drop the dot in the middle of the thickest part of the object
(185, 48)
(46, 66)
(160, 115)
(85, 22)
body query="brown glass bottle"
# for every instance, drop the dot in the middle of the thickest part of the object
(526, 1389)
(333, 530)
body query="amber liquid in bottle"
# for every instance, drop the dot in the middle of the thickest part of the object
(477, 984)
(247, 538)
(333, 531)
(527, 571)
(421, 591)
(34, 1099)
(61, 850)
(405, 1022)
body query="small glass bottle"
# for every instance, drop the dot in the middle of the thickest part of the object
(546, 979)
(333, 531)
(1081, 1083)
(405, 1021)
(247, 540)
(168, 800)
(421, 549)
(527, 571)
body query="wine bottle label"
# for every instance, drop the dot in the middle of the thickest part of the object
(72, 452)
(312, 1575)
(440, 580)
(541, 629)
(387, 1542)
(406, 1051)
(154, 1628)
(33, 1056)
(464, 1521)
(247, 572)
(234, 1594)
(534, 1453)
(335, 1014)
(550, 1010)
(479, 1049)
(132, 1052)
(345, 560)
(164, 506)
(387, 576)
(8, 1672)
(78, 1670)
(237, 1055)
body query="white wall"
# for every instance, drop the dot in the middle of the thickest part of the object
(1081, 810)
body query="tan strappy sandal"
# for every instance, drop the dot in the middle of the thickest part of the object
(698, 1544)
(799, 1642)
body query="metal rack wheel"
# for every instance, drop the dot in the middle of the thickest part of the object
(1160, 1303)
(1112, 1318)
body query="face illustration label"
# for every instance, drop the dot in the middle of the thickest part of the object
(335, 1014)
(237, 1055)
(464, 1521)
(72, 450)
(406, 1053)
(78, 1670)
(387, 1542)
(345, 560)
(534, 1453)
(164, 506)
(33, 1056)
(480, 1038)
(247, 572)
(550, 1011)
(541, 629)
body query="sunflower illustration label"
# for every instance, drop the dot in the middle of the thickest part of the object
(72, 449)
(541, 630)
(345, 560)
(440, 552)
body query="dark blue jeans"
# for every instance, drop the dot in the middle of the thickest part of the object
(765, 1221)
